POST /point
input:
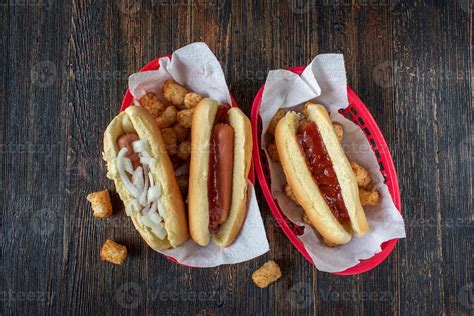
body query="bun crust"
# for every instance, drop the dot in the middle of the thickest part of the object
(301, 182)
(198, 206)
(136, 119)
(242, 159)
(203, 121)
(345, 176)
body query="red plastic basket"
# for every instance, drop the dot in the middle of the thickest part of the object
(358, 113)
(128, 101)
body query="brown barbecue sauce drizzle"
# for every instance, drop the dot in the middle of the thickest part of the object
(321, 168)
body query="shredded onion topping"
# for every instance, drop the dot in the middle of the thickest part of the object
(142, 186)
(121, 169)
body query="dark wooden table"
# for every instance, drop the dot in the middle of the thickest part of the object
(64, 68)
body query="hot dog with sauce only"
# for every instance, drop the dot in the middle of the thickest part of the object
(139, 165)
(221, 145)
(320, 174)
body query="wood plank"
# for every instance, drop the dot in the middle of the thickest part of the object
(33, 135)
(64, 69)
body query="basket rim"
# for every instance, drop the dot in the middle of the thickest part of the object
(128, 101)
(392, 181)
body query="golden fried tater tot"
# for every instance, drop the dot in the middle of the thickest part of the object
(174, 92)
(185, 118)
(191, 99)
(167, 118)
(369, 197)
(182, 183)
(113, 252)
(170, 141)
(273, 152)
(289, 193)
(181, 132)
(184, 150)
(266, 274)
(152, 104)
(362, 175)
(275, 119)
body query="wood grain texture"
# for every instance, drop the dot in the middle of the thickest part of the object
(64, 67)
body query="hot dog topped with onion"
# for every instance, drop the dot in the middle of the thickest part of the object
(320, 175)
(221, 145)
(139, 165)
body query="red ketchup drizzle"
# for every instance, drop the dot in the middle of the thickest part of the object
(212, 185)
(321, 169)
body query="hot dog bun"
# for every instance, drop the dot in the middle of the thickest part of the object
(303, 185)
(242, 159)
(203, 120)
(138, 120)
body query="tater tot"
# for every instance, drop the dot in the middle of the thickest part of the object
(191, 99)
(306, 219)
(266, 274)
(185, 118)
(184, 150)
(167, 118)
(170, 141)
(273, 152)
(339, 131)
(289, 193)
(100, 203)
(275, 119)
(369, 197)
(181, 132)
(174, 92)
(113, 252)
(152, 104)
(361, 174)
(182, 183)
(176, 163)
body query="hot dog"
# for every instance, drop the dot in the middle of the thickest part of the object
(320, 175)
(126, 140)
(220, 163)
(221, 156)
(139, 165)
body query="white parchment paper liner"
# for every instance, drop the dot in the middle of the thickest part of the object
(324, 81)
(196, 67)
